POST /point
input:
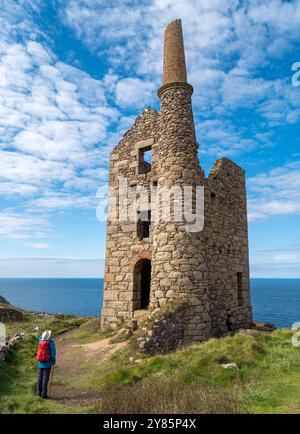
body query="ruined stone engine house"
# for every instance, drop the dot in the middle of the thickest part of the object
(150, 263)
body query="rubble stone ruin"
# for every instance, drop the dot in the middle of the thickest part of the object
(152, 262)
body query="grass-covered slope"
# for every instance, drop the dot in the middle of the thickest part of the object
(9, 313)
(98, 374)
(18, 372)
(194, 380)
(3, 300)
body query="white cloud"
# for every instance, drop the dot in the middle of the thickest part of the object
(62, 201)
(275, 270)
(221, 137)
(57, 123)
(285, 258)
(51, 267)
(134, 93)
(15, 189)
(54, 125)
(28, 169)
(242, 91)
(275, 193)
(23, 226)
(227, 45)
(38, 245)
(39, 53)
(283, 16)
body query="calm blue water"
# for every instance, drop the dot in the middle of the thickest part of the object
(273, 300)
(276, 301)
(70, 296)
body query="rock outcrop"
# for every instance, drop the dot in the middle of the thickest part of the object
(9, 313)
(3, 300)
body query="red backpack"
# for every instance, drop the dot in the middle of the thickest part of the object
(43, 353)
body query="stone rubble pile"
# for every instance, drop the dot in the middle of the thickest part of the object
(160, 332)
(9, 345)
(165, 334)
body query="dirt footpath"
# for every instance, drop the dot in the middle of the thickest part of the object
(75, 363)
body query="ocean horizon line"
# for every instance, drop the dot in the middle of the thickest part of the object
(102, 277)
(275, 300)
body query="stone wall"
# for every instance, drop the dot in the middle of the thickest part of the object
(208, 270)
(179, 267)
(165, 333)
(9, 345)
(123, 244)
(226, 234)
(201, 268)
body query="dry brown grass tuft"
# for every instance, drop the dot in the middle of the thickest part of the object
(163, 395)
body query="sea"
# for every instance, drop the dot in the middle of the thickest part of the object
(273, 300)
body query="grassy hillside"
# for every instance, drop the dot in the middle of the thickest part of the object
(9, 313)
(98, 374)
(18, 372)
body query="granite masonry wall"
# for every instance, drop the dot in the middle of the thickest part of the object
(124, 248)
(209, 269)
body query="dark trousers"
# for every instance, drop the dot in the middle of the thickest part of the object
(43, 379)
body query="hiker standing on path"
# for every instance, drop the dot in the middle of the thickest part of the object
(46, 357)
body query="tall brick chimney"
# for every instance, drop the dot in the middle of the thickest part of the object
(174, 58)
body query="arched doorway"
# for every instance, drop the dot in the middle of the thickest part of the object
(142, 283)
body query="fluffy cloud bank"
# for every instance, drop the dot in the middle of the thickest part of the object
(276, 192)
(51, 267)
(58, 123)
(54, 125)
(234, 54)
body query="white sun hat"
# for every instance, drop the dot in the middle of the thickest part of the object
(46, 335)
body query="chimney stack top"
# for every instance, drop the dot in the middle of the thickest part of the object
(174, 69)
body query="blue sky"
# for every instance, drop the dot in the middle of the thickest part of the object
(74, 74)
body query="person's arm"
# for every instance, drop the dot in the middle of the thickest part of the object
(53, 351)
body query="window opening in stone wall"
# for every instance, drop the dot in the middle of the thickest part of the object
(240, 292)
(145, 160)
(144, 224)
(213, 200)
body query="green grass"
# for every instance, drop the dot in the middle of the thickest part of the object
(18, 373)
(57, 323)
(8, 312)
(191, 380)
(268, 378)
(88, 332)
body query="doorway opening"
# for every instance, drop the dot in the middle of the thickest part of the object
(142, 283)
